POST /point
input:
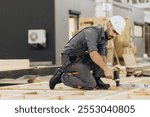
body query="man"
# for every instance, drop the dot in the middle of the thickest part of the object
(84, 57)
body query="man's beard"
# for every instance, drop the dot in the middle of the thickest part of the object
(109, 37)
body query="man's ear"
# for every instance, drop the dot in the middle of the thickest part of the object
(109, 25)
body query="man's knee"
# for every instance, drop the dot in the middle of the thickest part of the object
(90, 86)
(93, 84)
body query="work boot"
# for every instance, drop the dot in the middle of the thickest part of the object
(56, 79)
(102, 85)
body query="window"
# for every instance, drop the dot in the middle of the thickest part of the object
(138, 30)
(72, 26)
(73, 22)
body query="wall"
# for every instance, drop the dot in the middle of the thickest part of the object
(87, 9)
(16, 17)
(103, 8)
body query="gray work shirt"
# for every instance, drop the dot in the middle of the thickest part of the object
(87, 40)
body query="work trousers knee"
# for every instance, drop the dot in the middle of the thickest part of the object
(82, 77)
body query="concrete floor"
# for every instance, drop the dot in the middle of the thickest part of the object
(132, 88)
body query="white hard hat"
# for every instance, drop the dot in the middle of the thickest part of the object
(118, 23)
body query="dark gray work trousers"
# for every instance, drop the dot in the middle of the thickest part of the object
(86, 69)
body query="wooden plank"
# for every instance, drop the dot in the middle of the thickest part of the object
(110, 52)
(43, 71)
(133, 68)
(146, 72)
(129, 60)
(13, 64)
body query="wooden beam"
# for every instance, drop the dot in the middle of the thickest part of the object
(14, 64)
(42, 71)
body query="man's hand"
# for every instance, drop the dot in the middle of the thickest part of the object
(109, 73)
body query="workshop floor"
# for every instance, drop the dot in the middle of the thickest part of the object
(132, 88)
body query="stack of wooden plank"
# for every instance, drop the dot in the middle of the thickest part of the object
(146, 72)
(135, 69)
(92, 21)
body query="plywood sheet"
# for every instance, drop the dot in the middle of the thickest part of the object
(129, 60)
(14, 64)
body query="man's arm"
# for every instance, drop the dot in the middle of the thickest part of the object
(104, 59)
(98, 59)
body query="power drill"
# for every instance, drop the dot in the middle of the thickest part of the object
(117, 78)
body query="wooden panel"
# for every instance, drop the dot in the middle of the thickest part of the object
(123, 40)
(129, 60)
(92, 21)
(14, 64)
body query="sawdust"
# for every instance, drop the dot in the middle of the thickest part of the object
(33, 80)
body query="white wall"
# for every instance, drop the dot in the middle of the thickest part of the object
(87, 9)
(147, 16)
